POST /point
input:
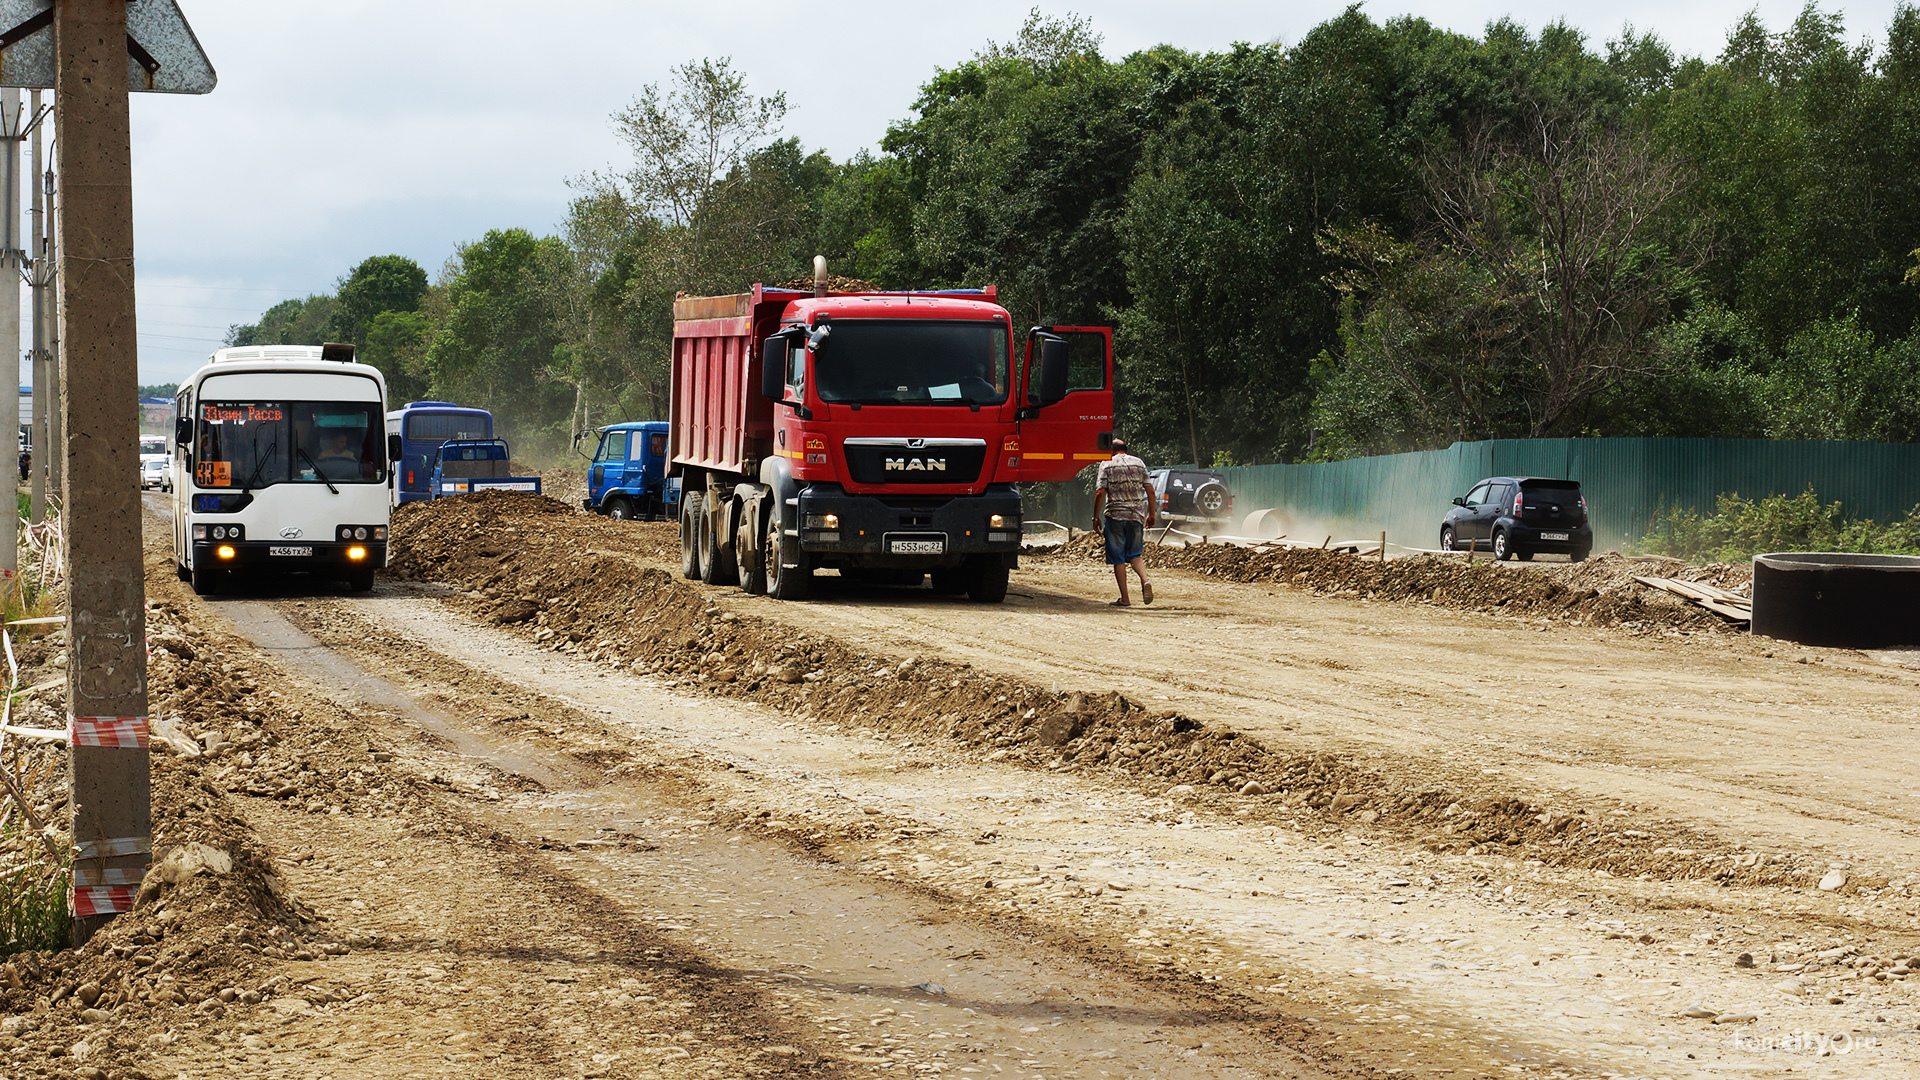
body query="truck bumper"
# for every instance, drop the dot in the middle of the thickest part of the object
(907, 531)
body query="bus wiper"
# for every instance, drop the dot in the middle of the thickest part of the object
(272, 445)
(316, 470)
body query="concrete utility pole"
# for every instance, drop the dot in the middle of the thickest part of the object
(42, 272)
(12, 257)
(106, 594)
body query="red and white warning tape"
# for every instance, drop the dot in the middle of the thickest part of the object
(129, 732)
(103, 900)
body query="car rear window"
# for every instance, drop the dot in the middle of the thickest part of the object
(1552, 488)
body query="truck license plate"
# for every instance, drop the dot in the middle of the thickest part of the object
(300, 551)
(1553, 536)
(918, 547)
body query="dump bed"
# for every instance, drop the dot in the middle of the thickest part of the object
(719, 420)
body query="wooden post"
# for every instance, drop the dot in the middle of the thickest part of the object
(1383, 546)
(106, 592)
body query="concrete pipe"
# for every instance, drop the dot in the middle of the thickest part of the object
(1837, 599)
(1263, 524)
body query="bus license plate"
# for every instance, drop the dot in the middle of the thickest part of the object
(302, 552)
(1553, 536)
(918, 547)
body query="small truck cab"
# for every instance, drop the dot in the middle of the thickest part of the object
(628, 477)
(461, 466)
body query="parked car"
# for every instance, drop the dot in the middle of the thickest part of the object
(1520, 516)
(154, 473)
(1196, 499)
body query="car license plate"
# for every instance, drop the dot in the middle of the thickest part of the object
(281, 550)
(918, 547)
(1553, 536)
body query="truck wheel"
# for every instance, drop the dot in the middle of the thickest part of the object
(716, 563)
(752, 563)
(950, 582)
(620, 509)
(987, 581)
(786, 582)
(690, 515)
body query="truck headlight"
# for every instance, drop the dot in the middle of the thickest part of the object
(997, 521)
(823, 521)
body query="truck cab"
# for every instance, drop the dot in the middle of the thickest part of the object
(628, 477)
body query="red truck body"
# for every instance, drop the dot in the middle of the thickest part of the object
(888, 440)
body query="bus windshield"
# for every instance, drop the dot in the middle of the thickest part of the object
(913, 362)
(255, 444)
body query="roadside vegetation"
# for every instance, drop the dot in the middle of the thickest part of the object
(1384, 236)
(1740, 528)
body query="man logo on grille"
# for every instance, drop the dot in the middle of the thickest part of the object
(914, 464)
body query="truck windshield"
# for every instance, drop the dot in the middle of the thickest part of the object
(254, 444)
(913, 362)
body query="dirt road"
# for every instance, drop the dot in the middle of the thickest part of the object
(543, 810)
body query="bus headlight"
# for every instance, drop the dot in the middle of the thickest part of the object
(360, 533)
(356, 553)
(226, 551)
(379, 532)
(199, 532)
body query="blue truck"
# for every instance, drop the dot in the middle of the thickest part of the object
(461, 466)
(422, 426)
(628, 477)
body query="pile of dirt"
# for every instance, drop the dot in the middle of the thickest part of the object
(215, 909)
(576, 585)
(1599, 592)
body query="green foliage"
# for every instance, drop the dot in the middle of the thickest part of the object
(290, 322)
(33, 899)
(1740, 528)
(165, 390)
(379, 284)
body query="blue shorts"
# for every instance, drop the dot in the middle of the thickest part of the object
(1126, 540)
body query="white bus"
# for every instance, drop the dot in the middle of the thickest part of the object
(281, 464)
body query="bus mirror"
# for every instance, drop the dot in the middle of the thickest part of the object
(393, 448)
(183, 431)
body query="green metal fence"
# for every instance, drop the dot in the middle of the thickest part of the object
(1626, 481)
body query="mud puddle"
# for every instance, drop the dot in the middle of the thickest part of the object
(887, 973)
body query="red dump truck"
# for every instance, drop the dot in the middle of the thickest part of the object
(882, 434)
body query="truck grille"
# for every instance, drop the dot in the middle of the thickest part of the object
(915, 461)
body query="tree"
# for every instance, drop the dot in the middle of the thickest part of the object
(379, 284)
(289, 322)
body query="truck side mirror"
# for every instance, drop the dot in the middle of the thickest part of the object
(773, 368)
(1053, 369)
(183, 431)
(393, 448)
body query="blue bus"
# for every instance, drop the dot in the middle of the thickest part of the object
(422, 426)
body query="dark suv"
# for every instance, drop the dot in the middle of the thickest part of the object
(1195, 497)
(1520, 516)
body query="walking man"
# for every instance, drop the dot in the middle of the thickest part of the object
(1123, 510)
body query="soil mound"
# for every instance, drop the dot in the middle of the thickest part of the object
(583, 587)
(1600, 591)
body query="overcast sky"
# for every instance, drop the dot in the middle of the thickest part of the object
(352, 128)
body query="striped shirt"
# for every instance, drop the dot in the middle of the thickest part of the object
(1124, 479)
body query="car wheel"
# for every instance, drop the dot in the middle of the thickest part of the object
(1211, 500)
(1523, 556)
(1501, 550)
(620, 509)
(1446, 538)
(1580, 555)
(690, 514)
